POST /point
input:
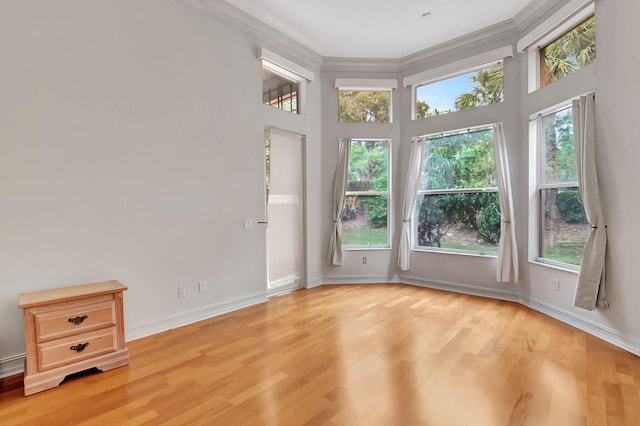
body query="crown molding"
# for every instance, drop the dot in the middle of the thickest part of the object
(502, 33)
(363, 65)
(535, 11)
(265, 34)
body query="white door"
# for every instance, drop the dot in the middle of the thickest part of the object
(285, 203)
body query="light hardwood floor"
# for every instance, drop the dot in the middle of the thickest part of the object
(357, 354)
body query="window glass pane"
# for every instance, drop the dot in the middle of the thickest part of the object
(559, 154)
(564, 225)
(368, 166)
(279, 92)
(477, 88)
(459, 161)
(459, 221)
(569, 53)
(364, 106)
(364, 221)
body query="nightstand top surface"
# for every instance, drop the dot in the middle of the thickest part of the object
(62, 294)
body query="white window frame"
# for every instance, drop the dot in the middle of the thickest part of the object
(571, 15)
(288, 70)
(369, 85)
(454, 69)
(536, 174)
(420, 192)
(386, 193)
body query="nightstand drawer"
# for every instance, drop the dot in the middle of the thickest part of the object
(67, 322)
(76, 348)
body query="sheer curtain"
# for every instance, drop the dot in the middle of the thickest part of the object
(590, 292)
(507, 247)
(339, 188)
(409, 202)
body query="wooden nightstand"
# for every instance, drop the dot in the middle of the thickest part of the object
(72, 329)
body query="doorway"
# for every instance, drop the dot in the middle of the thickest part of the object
(284, 186)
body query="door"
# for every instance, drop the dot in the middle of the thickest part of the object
(284, 182)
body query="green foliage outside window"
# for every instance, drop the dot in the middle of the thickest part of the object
(570, 52)
(364, 106)
(459, 162)
(365, 216)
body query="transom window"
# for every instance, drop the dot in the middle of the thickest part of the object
(364, 106)
(569, 52)
(279, 92)
(563, 226)
(366, 213)
(457, 204)
(468, 90)
(365, 100)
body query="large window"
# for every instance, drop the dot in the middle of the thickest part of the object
(366, 213)
(469, 90)
(457, 206)
(569, 52)
(563, 226)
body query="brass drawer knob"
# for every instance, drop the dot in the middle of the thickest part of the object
(78, 320)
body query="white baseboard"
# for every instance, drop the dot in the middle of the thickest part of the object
(608, 334)
(512, 296)
(314, 283)
(183, 318)
(361, 279)
(11, 366)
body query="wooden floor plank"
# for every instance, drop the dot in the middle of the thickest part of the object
(350, 355)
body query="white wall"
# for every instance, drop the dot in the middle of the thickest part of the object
(131, 148)
(615, 79)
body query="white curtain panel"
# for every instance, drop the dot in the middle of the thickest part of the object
(507, 247)
(590, 291)
(409, 202)
(339, 188)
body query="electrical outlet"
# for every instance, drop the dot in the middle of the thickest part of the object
(202, 286)
(364, 260)
(556, 284)
(181, 292)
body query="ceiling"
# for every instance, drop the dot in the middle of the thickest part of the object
(378, 29)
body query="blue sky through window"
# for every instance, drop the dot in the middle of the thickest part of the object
(442, 94)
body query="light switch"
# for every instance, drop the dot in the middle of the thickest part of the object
(247, 224)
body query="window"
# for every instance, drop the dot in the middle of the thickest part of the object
(469, 90)
(467, 83)
(279, 92)
(563, 226)
(562, 44)
(568, 53)
(283, 82)
(457, 204)
(366, 213)
(364, 106)
(365, 100)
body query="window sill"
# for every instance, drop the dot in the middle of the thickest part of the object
(363, 248)
(556, 266)
(456, 252)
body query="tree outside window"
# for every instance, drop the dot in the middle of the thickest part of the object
(366, 212)
(457, 202)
